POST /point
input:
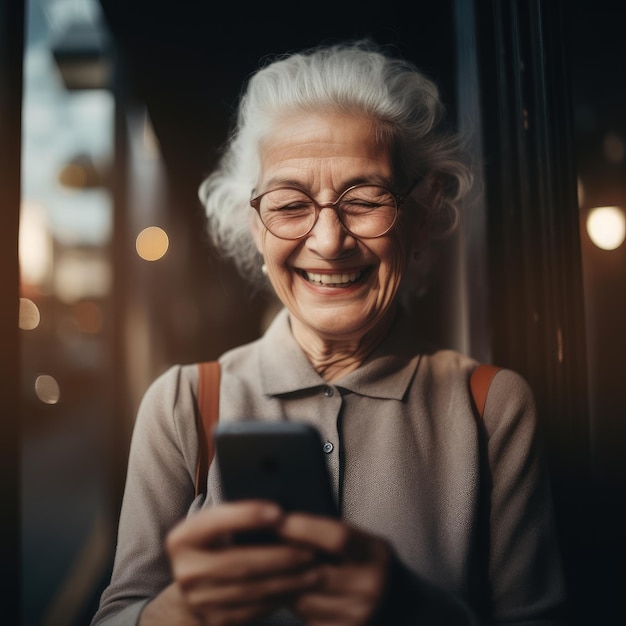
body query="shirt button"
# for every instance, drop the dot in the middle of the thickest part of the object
(328, 447)
(329, 392)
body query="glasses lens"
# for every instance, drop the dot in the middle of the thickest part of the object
(287, 213)
(365, 210)
(368, 210)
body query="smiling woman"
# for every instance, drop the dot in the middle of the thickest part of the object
(306, 272)
(445, 516)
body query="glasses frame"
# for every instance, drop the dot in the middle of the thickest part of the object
(398, 198)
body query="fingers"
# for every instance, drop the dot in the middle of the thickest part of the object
(239, 601)
(201, 555)
(332, 537)
(346, 594)
(237, 583)
(322, 533)
(234, 583)
(353, 583)
(264, 591)
(231, 564)
(209, 527)
(319, 608)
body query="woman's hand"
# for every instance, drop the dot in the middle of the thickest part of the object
(221, 582)
(354, 576)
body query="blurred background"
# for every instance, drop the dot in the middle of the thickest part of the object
(112, 113)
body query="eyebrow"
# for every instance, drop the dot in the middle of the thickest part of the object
(284, 182)
(273, 183)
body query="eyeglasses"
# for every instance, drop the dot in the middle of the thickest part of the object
(365, 211)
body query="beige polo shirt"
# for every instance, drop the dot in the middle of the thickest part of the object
(405, 463)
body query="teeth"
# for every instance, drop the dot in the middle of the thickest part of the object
(332, 279)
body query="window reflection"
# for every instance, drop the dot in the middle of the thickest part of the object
(66, 221)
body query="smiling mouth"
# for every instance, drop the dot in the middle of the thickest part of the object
(339, 279)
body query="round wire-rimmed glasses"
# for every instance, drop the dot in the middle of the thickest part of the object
(365, 210)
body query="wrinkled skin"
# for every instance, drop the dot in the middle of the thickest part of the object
(336, 325)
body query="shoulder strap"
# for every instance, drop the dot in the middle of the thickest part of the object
(208, 408)
(480, 382)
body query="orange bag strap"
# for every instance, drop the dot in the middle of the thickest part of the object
(480, 381)
(208, 410)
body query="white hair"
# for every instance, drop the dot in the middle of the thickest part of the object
(403, 103)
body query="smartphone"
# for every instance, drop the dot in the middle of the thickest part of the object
(279, 461)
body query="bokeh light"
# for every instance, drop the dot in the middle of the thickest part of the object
(35, 244)
(607, 227)
(79, 173)
(73, 175)
(152, 243)
(47, 389)
(82, 274)
(29, 316)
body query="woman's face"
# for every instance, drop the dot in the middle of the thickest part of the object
(324, 155)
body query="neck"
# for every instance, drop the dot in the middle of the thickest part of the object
(332, 357)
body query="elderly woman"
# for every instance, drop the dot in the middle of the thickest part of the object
(332, 183)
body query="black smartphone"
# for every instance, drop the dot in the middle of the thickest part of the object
(279, 461)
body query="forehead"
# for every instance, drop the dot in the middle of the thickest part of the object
(315, 145)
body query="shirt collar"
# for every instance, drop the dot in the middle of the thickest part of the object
(387, 372)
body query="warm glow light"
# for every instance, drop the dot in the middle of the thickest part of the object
(606, 226)
(152, 243)
(35, 246)
(81, 275)
(47, 389)
(29, 316)
(79, 173)
(73, 175)
(150, 141)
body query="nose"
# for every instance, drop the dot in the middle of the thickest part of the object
(329, 239)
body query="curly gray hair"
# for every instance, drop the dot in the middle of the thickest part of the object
(358, 76)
